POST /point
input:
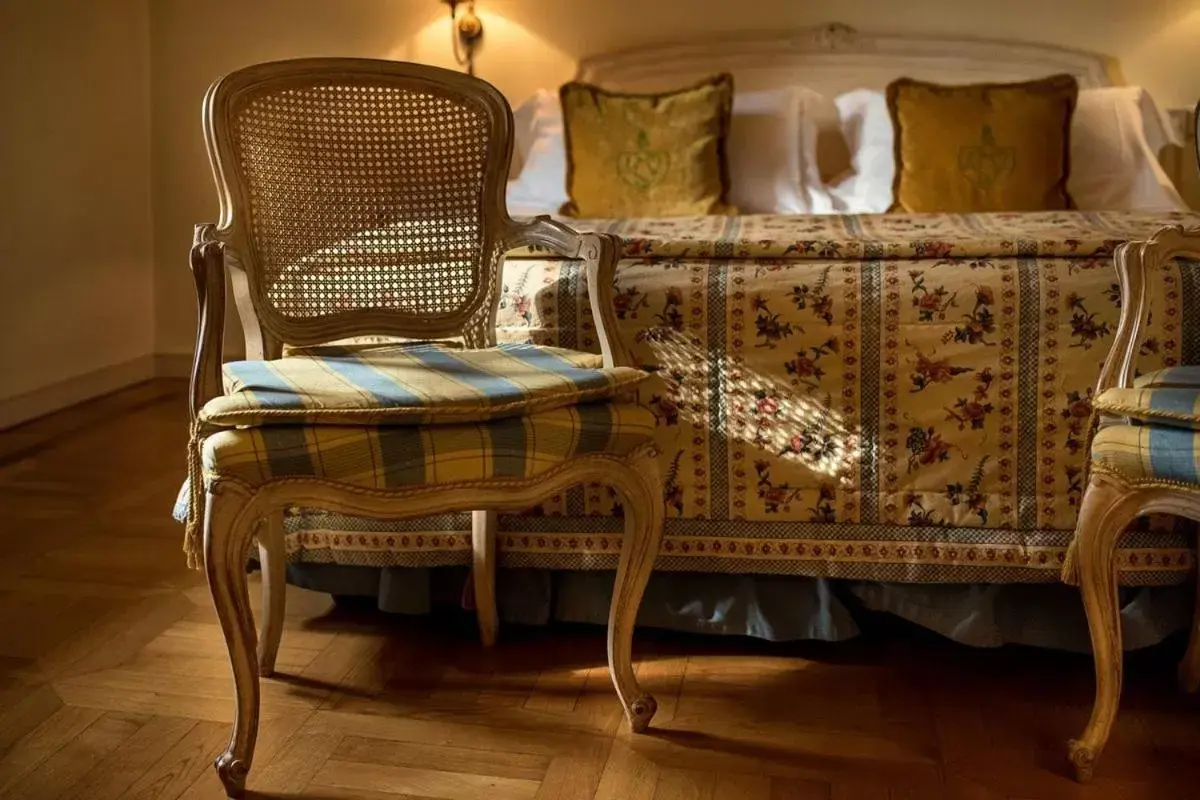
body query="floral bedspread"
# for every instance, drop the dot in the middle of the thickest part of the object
(899, 398)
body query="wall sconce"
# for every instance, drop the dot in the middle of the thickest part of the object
(466, 31)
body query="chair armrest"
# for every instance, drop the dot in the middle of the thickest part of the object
(600, 253)
(208, 271)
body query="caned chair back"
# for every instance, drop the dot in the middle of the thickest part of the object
(362, 197)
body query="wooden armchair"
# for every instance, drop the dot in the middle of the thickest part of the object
(1144, 459)
(366, 198)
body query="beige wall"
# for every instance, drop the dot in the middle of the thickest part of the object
(76, 263)
(535, 43)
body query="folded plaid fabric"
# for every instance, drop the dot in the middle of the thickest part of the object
(1170, 378)
(1179, 407)
(1148, 452)
(396, 456)
(406, 384)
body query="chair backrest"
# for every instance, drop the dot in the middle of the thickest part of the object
(362, 196)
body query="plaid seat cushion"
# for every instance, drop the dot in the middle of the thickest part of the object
(1171, 378)
(1149, 452)
(396, 456)
(1179, 407)
(407, 384)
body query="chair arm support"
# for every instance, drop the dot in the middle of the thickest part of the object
(208, 271)
(600, 253)
(1135, 262)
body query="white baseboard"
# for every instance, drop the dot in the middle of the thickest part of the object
(57, 396)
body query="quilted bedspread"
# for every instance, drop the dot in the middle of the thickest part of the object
(900, 398)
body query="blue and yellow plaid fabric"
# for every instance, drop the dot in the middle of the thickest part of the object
(411, 384)
(1187, 377)
(398, 456)
(1171, 406)
(1149, 452)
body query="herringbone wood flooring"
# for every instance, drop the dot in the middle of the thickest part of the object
(113, 681)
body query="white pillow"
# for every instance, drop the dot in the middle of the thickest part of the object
(1116, 134)
(541, 185)
(768, 173)
(866, 126)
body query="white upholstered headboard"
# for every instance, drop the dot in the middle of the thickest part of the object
(835, 58)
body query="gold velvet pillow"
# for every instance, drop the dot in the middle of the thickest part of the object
(983, 147)
(647, 155)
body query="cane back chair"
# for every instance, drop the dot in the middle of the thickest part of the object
(364, 198)
(1144, 459)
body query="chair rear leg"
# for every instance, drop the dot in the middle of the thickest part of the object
(483, 572)
(1107, 510)
(274, 591)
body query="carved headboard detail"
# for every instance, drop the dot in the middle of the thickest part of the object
(836, 58)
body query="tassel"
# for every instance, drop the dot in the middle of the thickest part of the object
(193, 545)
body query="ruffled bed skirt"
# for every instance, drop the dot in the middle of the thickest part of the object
(775, 608)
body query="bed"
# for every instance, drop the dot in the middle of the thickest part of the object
(853, 408)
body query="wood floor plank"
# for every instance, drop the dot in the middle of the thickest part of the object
(575, 774)
(70, 763)
(627, 775)
(111, 778)
(792, 789)
(421, 782)
(181, 764)
(499, 762)
(37, 746)
(684, 784)
(739, 786)
(23, 708)
(297, 761)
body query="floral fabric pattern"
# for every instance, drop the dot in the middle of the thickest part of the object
(885, 397)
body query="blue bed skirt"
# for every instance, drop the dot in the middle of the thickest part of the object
(775, 608)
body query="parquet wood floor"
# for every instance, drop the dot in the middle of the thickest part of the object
(113, 681)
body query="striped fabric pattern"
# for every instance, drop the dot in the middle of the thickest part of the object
(1178, 407)
(1149, 452)
(1187, 377)
(398, 456)
(411, 384)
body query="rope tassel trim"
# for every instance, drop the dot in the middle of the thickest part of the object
(193, 544)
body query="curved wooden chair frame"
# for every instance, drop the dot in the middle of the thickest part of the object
(1111, 502)
(232, 512)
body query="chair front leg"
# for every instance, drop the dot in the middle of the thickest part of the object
(483, 574)
(640, 484)
(226, 542)
(273, 560)
(1106, 512)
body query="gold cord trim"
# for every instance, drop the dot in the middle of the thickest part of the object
(193, 531)
(1141, 412)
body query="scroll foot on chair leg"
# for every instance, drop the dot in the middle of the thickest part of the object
(641, 486)
(232, 772)
(1084, 759)
(641, 711)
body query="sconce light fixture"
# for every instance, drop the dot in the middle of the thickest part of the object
(466, 31)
